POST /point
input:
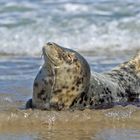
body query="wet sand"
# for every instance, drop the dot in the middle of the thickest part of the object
(67, 125)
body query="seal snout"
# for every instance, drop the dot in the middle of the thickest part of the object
(52, 52)
(50, 44)
(48, 47)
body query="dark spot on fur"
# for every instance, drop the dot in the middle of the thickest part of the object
(68, 70)
(78, 81)
(50, 74)
(124, 68)
(92, 87)
(40, 94)
(77, 64)
(86, 98)
(68, 91)
(121, 78)
(132, 66)
(58, 91)
(45, 82)
(101, 100)
(121, 94)
(73, 88)
(77, 89)
(108, 90)
(84, 104)
(132, 95)
(103, 92)
(51, 81)
(57, 106)
(74, 101)
(60, 99)
(65, 87)
(75, 60)
(69, 62)
(111, 98)
(82, 97)
(44, 98)
(91, 103)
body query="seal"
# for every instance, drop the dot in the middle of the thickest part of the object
(65, 82)
(64, 76)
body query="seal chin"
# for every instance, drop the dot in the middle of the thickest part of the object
(47, 48)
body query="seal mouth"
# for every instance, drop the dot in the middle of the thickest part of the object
(51, 52)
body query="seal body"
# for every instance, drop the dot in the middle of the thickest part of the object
(120, 86)
(65, 81)
(64, 76)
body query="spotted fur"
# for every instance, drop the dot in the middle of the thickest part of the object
(65, 81)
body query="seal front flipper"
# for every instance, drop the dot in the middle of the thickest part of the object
(29, 104)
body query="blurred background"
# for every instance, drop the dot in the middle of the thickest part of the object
(105, 32)
(85, 25)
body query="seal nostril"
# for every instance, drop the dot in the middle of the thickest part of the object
(50, 43)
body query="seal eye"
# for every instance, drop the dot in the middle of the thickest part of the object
(71, 57)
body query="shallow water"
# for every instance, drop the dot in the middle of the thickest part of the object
(111, 124)
(17, 75)
(106, 32)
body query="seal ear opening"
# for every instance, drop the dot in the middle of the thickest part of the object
(29, 104)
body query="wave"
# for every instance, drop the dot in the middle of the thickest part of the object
(83, 26)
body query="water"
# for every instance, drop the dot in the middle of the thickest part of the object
(97, 25)
(106, 32)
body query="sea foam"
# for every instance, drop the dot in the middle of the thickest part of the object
(83, 25)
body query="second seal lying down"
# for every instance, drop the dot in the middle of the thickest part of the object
(65, 81)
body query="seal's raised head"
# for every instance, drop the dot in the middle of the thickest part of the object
(64, 76)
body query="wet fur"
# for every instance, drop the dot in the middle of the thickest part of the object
(119, 86)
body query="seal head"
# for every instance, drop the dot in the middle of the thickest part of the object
(64, 76)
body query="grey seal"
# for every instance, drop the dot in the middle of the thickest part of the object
(65, 82)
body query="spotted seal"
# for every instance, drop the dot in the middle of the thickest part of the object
(65, 81)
